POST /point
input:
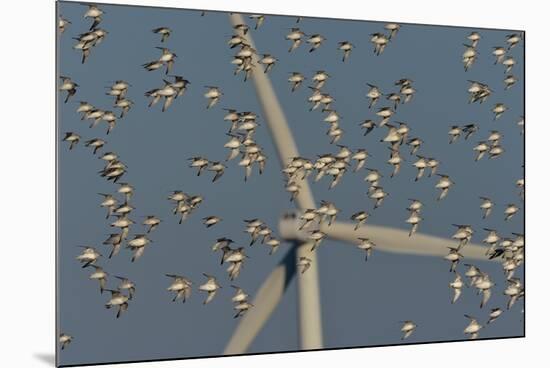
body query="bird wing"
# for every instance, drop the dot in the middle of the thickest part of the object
(187, 292)
(217, 176)
(457, 293)
(211, 295)
(167, 102)
(102, 283)
(209, 277)
(113, 292)
(138, 253)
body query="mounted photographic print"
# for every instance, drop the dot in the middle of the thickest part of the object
(249, 183)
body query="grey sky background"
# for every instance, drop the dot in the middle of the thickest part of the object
(362, 303)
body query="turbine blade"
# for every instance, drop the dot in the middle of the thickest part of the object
(267, 298)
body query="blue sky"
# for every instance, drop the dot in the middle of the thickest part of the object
(362, 303)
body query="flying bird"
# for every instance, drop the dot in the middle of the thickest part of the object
(495, 313)
(100, 275)
(345, 47)
(444, 183)
(480, 150)
(242, 308)
(377, 194)
(126, 284)
(407, 329)
(513, 39)
(117, 300)
(268, 61)
(164, 32)
(379, 40)
(414, 220)
(152, 222)
(95, 13)
(137, 245)
(210, 221)
(473, 327)
(68, 85)
(218, 168)
(456, 285)
(368, 125)
(295, 36)
(373, 94)
(499, 53)
(258, 18)
(498, 110)
(514, 290)
(304, 264)
(484, 284)
(213, 95)
(393, 28)
(510, 210)
(509, 63)
(72, 138)
(89, 256)
(454, 257)
(180, 286)
(296, 80)
(474, 38)
(486, 206)
(65, 340)
(316, 236)
(211, 287)
(359, 217)
(62, 24)
(315, 40)
(367, 245)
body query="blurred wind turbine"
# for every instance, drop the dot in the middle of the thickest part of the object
(272, 290)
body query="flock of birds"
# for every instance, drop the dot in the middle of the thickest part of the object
(241, 144)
